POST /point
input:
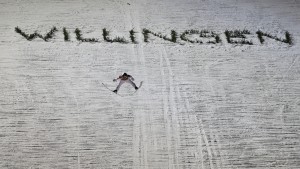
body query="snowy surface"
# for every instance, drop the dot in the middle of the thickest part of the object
(201, 106)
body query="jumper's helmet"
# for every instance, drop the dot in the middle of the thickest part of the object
(125, 74)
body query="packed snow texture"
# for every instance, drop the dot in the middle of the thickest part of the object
(201, 106)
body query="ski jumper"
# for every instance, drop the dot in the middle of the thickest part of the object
(125, 78)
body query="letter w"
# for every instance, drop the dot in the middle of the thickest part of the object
(30, 37)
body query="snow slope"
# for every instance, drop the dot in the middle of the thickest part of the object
(201, 106)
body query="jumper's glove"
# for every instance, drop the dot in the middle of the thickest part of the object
(132, 79)
(115, 80)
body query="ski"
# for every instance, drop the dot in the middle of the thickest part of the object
(141, 83)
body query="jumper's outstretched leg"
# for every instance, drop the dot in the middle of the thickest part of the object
(118, 87)
(133, 84)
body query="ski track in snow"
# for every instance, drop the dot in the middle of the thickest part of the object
(200, 107)
(140, 60)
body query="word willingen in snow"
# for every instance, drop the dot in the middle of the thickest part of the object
(188, 36)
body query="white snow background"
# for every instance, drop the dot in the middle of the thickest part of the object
(204, 106)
